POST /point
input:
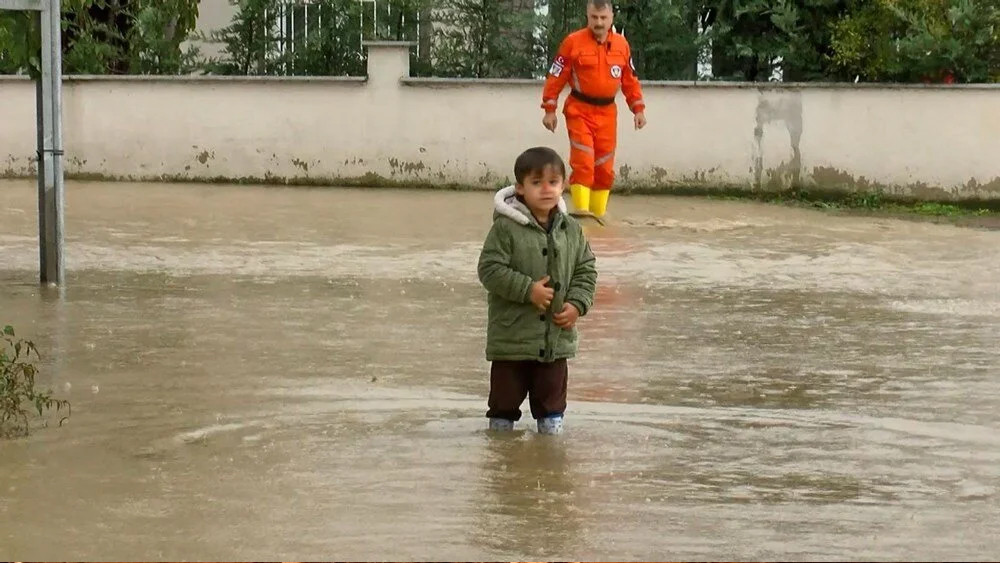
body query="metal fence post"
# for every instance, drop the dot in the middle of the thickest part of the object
(50, 170)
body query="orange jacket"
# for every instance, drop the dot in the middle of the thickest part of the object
(593, 69)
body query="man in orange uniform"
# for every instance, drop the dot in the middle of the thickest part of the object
(596, 62)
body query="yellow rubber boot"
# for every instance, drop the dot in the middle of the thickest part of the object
(581, 197)
(599, 202)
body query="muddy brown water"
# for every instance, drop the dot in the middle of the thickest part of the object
(298, 373)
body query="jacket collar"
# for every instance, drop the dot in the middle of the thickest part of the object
(505, 203)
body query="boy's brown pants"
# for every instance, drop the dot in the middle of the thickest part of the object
(511, 381)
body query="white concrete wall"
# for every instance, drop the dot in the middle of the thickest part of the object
(939, 142)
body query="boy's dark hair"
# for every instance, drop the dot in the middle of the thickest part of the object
(535, 160)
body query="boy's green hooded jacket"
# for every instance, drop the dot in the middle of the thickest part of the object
(517, 252)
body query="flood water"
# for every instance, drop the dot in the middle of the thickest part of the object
(298, 373)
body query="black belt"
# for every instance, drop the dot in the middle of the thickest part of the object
(592, 100)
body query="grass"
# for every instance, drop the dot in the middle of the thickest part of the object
(870, 203)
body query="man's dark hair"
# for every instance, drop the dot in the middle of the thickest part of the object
(601, 4)
(535, 160)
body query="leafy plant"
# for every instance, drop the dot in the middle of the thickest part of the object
(919, 40)
(106, 37)
(664, 37)
(20, 43)
(277, 38)
(487, 39)
(17, 387)
(744, 40)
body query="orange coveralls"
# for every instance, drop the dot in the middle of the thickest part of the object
(595, 72)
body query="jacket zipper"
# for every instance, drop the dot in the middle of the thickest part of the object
(549, 256)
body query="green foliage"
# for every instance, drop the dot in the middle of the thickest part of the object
(95, 38)
(249, 44)
(487, 39)
(664, 37)
(336, 48)
(960, 38)
(159, 28)
(920, 40)
(20, 43)
(106, 37)
(746, 40)
(564, 17)
(864, 45)
(808, 40)
(17, 387)
(936, 209)
(753, 38)
(747, 37)
(807, 54)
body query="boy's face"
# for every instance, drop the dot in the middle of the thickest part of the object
(541, 190)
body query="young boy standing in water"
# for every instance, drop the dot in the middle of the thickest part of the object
(540, 273)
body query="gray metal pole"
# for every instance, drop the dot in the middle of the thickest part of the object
(50, 174)
(57, 139)
(44, 145)
(40, 87)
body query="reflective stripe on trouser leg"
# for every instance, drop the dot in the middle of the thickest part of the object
(604, 171)
(581, 151)
(604, 149)
(604, 165)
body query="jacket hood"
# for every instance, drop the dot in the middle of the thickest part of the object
(505, 203)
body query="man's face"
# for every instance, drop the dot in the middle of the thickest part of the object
(599, 20)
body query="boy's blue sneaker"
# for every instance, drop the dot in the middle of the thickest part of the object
(501, 424)
(550, 424)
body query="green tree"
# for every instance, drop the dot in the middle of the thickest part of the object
(157, 32)
(563, 18)
(808, 38)
(919, 40)
(664, 37)
(334, 48)
(750, 38)
(250, 43)
(20, 42)
(487, 39)
(107, 37)
(961, 43)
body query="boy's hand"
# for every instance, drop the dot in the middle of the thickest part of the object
(567, 317)
(541, 296)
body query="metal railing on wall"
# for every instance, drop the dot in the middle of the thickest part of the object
(296, 22)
